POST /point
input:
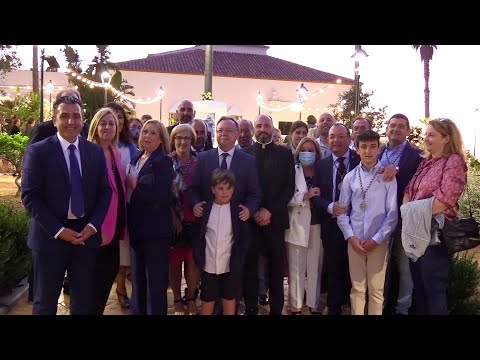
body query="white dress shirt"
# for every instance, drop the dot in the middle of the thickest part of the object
(219, 240)
(346, 161)
(229, 158)
(378, 220)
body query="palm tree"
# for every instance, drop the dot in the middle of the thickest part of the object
(426, 54)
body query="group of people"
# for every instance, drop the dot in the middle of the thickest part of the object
(231, 219)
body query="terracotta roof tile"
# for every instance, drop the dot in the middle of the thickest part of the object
(240, 65)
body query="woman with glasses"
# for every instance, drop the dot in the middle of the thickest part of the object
(184, 160)
(440, 178)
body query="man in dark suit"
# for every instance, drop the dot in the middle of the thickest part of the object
(40, 132)
(400, 159)
(329, 174)
(247, 189)
(66, 191)
(185, 115)
(271, 219)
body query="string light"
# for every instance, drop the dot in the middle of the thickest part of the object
(296, 106)
(108, 86)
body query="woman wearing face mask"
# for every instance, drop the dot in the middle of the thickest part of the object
(304, 246)
(134, 126)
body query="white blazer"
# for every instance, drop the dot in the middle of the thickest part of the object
(299, 212)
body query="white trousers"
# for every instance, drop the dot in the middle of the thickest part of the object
(307, 260)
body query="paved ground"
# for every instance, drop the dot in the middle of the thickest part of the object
(113, 308)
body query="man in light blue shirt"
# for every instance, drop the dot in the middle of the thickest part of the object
(367, 226)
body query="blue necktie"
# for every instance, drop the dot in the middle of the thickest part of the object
(224, 161)
(76, 190)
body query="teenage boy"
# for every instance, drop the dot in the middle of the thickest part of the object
(367, 226)
(220, 245)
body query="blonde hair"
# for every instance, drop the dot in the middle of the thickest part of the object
(316, 145)
(179, 128)
(93, 131)
(162, 131)
(447, 127)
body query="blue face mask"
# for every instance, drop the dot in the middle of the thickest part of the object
(307, 158)
(135, 133)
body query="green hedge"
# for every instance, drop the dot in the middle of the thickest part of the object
(464, 285)
(14, 252)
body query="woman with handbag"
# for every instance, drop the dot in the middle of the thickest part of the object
(442, 174)
(184, 160)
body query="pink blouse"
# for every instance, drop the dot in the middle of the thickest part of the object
(444, 178)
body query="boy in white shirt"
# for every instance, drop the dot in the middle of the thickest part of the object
(368, 224)
(220, 244)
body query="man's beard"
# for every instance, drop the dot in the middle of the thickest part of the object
(185, 120)
(264, 138)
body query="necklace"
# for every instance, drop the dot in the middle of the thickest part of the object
(363, 205)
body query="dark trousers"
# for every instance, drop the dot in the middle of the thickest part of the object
(149, 264)
(106, 269)
(272, 241)
(338, 279)
(430, 280)
(49, 268)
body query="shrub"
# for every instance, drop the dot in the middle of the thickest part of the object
(463, 285)
(14, 252)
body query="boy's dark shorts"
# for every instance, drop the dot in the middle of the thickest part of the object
(223, 285)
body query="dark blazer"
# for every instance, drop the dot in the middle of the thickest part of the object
(279, 182)
(149, 216)
(241, 238)
(45, 129)
(407, 165)
(324, 179)
(247, 188)
(46, 190)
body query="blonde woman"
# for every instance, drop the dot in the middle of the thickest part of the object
(104, 131)
(149, 181)
(304, 245)
(442, 174)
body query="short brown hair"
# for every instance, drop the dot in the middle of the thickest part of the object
(220, 176)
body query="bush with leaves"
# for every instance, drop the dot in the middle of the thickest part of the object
(464, 285)
(14, 252)
(13, 148)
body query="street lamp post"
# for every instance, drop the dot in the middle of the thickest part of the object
(161, 93)
(50, 88)
(359, 54)
(106, 77)
(52, 66)
(302, 93)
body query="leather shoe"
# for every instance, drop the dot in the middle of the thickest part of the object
(263, 300)
(250, 312)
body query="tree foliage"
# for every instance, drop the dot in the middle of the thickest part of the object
(23, 107)
(345, 108)
(8, 59)
(93, 98)
(13, 148)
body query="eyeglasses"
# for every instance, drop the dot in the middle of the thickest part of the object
(180, 138)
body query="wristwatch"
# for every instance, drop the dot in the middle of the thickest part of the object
(397, 168)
